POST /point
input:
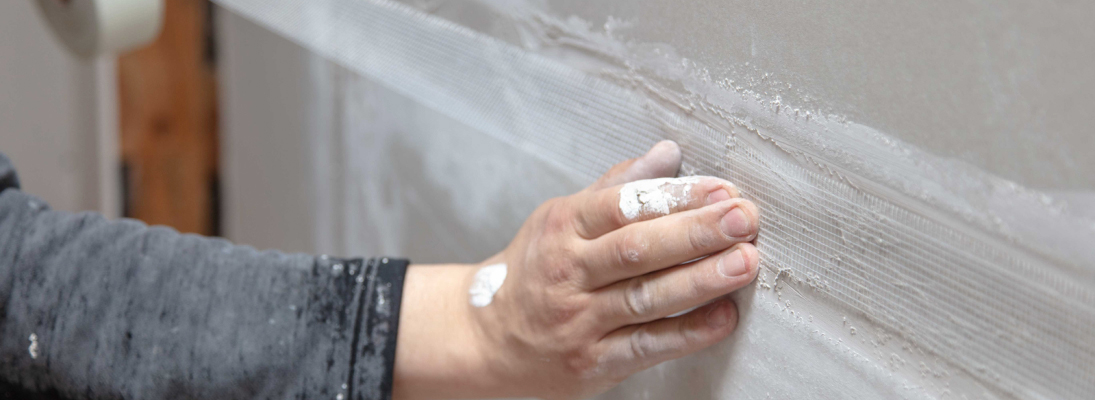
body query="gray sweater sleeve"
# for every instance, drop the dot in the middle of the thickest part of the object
(91, 308)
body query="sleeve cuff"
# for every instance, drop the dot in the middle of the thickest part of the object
(379, 294)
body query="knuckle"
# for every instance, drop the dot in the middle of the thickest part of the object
(557, 216)
(562, 268)
(638, 297)
(703, 236)
(565, 310)
(640, 342)
(629, 250)
(582, 362)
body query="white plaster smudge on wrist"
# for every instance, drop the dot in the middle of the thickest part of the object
(486, 283)
(654, 196)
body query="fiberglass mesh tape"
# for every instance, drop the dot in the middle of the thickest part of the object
(1016, 320)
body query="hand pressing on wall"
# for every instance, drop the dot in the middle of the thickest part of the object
(587, 293)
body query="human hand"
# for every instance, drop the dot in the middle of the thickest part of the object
(589, 282)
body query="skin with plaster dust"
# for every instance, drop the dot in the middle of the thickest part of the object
(486, 283)
(654, 196)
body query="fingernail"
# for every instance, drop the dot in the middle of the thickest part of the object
(735, 223)
(733, 264)
(719, 316)
(717, 196)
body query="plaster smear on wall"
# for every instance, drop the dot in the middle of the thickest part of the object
(888, 272)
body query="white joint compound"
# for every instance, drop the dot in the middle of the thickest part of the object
(486, 283)
(654, 196)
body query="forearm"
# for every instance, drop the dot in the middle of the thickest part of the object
(118, 309)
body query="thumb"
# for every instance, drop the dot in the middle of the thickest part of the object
(661, 161)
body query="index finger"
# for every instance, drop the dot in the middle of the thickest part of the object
(661, 161)
(608, 209)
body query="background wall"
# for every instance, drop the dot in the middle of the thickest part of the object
(272, 92)
(50, 103)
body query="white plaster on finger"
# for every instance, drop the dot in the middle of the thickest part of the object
(654, 196)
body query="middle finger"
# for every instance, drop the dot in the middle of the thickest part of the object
(648, 246)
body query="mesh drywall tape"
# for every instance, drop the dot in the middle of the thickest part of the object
(909, 241)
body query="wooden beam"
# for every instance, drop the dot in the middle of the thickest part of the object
(168, 123)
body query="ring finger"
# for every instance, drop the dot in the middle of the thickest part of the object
(660, 294)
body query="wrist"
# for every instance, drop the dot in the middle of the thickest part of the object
(442, 351)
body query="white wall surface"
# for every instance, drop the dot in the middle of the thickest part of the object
(49, 115)
(269, 89)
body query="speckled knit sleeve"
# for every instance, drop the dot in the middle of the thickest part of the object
(91, 308)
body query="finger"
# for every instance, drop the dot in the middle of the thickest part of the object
(638, 347)
(660, 294)
(661, 161)
(608, 209)
(648, 246)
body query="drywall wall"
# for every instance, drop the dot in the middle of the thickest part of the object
(890, 269)
(1001, 85)
(51, 105)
